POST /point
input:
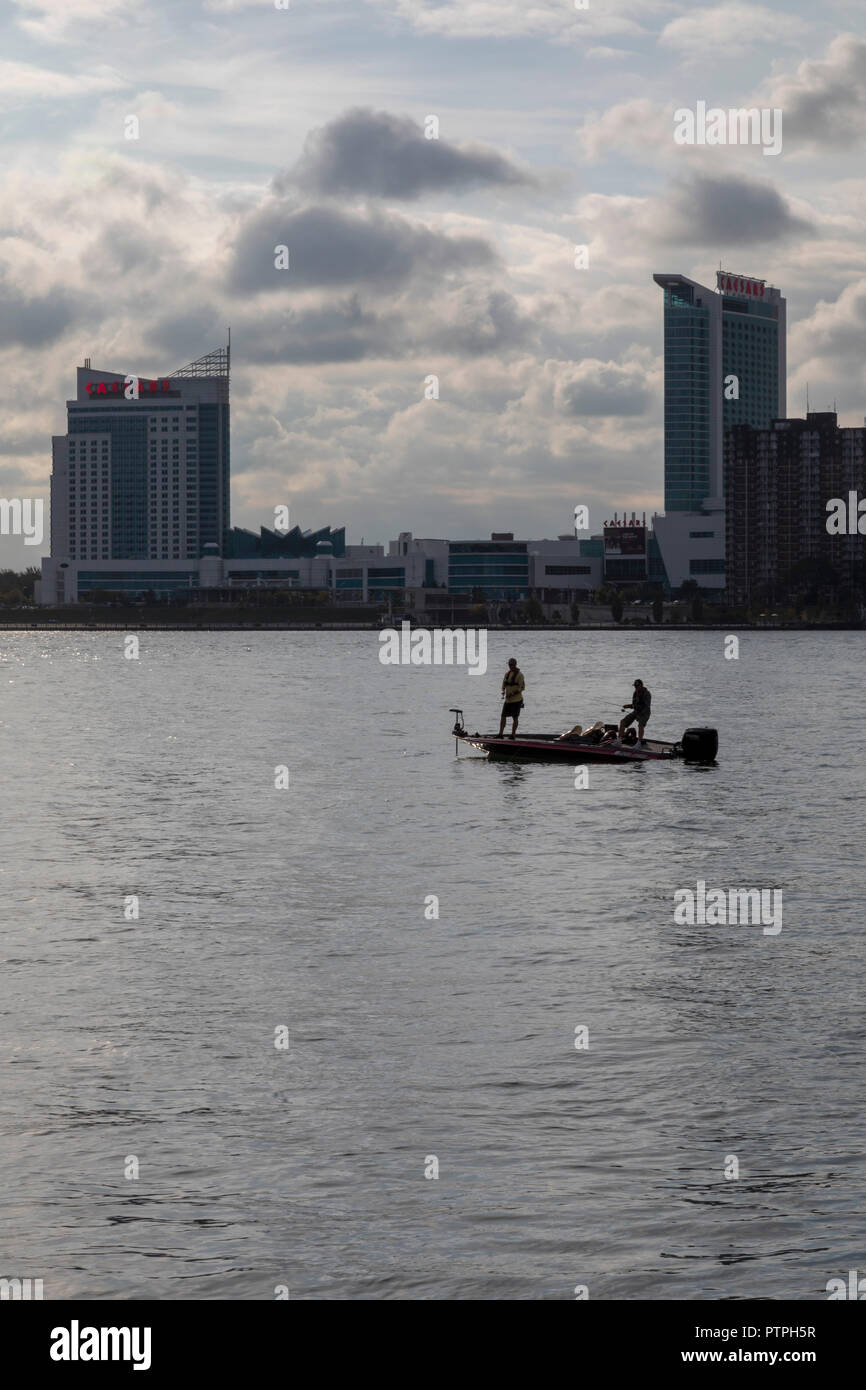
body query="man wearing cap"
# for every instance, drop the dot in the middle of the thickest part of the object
(640, 710)
(513, 686)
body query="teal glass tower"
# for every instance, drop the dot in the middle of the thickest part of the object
(725, 365)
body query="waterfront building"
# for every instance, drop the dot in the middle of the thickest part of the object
(496, 569)
(567, 569)
(140, 480)
(725, 365)
(778, 482)
(349, 574)
(434, 553)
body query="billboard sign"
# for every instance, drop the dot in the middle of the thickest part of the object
(625, 540)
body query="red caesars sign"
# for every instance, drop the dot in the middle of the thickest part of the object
(117, 388)
(738, 284)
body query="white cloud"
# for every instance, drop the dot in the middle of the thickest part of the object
(838, 328)
(21, 83)
(230, 6)
(558, 20)
(826, 348)
(823, 104)
(638, 127)
(53, 19)
(714, 31)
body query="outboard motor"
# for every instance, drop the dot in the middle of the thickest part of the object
(700, 745)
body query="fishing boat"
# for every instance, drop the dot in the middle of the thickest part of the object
(698, 745)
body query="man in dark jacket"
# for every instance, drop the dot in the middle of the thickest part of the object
(640, 710)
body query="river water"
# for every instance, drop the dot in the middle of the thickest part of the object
(157, 1143)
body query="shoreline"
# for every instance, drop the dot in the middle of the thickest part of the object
(517, 628)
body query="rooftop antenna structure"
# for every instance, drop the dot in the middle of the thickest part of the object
(216, 363)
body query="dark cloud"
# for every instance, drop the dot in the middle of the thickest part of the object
(18, 444)
(180, 335)
(34, 321)
(328, 246)
(825, 103)
(127, 246)
(377, 154)
(474, 322)
(605, 388)
(480, 321)
(729, 211)
(341, 332)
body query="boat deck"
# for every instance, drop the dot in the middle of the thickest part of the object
(551, 747)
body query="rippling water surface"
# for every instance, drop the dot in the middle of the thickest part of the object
(410, 1038)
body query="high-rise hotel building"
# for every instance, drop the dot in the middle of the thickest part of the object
(140, 504)
(141, 476)
(725, 365)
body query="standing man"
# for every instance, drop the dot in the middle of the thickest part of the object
(513, 686)
(640, 710)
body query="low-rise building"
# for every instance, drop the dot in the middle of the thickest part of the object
(565, 570)
(494, 569)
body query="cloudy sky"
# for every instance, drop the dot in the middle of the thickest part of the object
(409, 257)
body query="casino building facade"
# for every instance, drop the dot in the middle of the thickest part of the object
(140, 480)
(140, 504)
(725, 365)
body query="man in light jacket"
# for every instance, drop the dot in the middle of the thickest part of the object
(513, 686)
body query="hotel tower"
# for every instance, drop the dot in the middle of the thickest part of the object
(725, 365)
